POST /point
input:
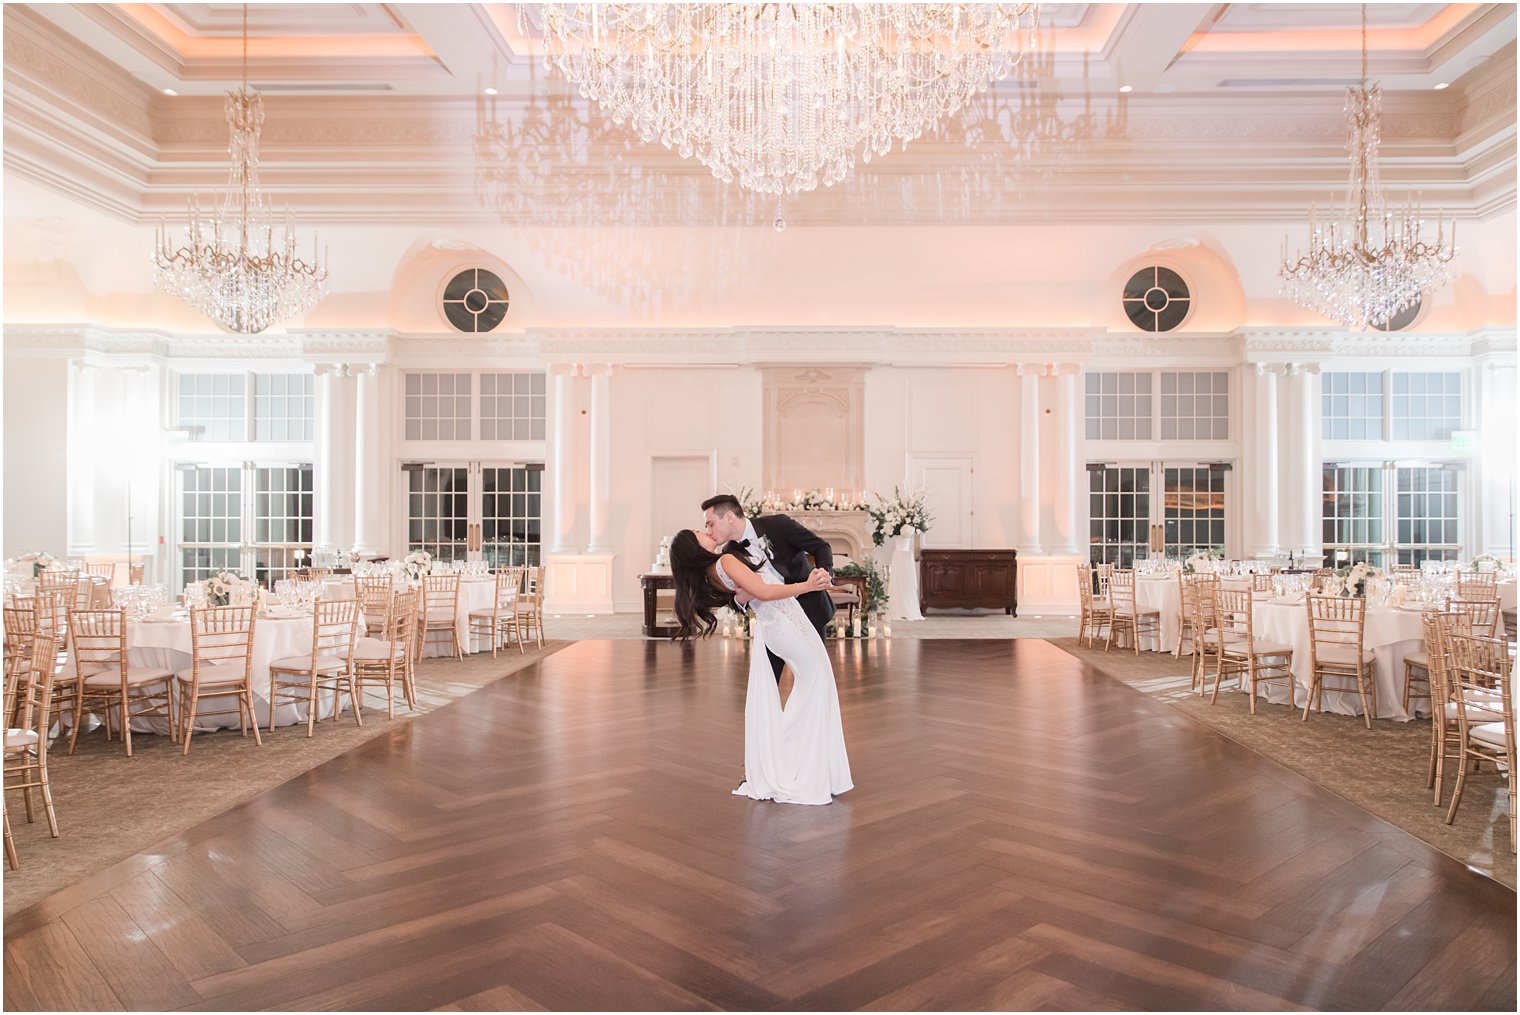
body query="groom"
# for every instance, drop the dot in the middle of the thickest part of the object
(779, 542)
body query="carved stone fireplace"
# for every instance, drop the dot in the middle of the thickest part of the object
(848, 532)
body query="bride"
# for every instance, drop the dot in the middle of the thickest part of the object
(792, 755)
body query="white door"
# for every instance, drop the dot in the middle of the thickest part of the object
(947, 483)
(680, 483)
(474, 510)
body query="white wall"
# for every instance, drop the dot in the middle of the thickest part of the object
(36, 428)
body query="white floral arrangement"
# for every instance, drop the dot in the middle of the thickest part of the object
(898, 514)
(1202, 560)
(811, 500)
(418, 563)
(1354, 578)
(1485, 562)
(37, 561)
(221, 586)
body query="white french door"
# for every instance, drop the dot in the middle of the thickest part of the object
(489, 511)
(1174, 507)
(247, 517)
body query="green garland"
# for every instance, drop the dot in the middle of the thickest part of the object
(876, 586)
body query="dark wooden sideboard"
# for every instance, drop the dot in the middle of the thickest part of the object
(969, 579)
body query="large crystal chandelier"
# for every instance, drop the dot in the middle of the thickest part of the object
(235, 266)
(783, 97)
(1365, 267)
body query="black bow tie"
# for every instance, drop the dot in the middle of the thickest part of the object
(743, 542)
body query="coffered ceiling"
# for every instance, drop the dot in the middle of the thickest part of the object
(378, 113)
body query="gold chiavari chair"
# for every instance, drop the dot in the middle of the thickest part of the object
(1479, 668)
(1476, 579)
(26, 743)
(1127, 617)
(101, 569)
(334, 623)
(103, 675)
(317, 573)
(501, 618)
(20, 631)
(221, 641)
(1187, 590)
(135, 573)
(1481, 614)
(1097, 611)
(384, 660)
(1261, 582)
(1243, 655)
(12, 687)
(373, 593)
(1444, 746)
(1337, 627)
(1475, 593)
(529, 613)
(440, 610)
(1403, 573)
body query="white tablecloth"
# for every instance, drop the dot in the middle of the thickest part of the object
(475, 593)
(1391, 634)
(1507, 595)
(167, 645)
(1162, 593)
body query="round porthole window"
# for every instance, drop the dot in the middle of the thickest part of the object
(1156, 299)
(1403, 319)
(475, 300)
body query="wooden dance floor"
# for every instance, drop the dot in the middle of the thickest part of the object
(1024, 833)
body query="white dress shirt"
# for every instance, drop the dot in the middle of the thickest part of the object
(757, 549)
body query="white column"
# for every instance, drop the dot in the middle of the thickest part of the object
(324, 501)
(81, 464)
(1494, 464)
(1302, 474)
(1070, 471)
(1029, 460)
(1261, 434)
(601, 458)
(369, 447)
(562, 455)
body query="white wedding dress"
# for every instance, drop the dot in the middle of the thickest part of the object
(794, 755)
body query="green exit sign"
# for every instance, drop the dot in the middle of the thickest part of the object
(1464, 442)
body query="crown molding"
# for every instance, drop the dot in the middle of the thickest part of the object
(78, 124)
(915, 348)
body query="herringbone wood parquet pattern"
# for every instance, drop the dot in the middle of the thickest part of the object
(1025, 834)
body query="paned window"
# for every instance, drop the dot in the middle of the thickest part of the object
(214, 407)
(1426, 406)
(511, 507)
(249, 518)
(1195, 405)
(1352, 405)
(1119, 406)
(1193, 503)
(512, 407)
(438, 407)
(1119, 513)
(438, 511)
(284, 407)
(1353, 516)
(1426, 514)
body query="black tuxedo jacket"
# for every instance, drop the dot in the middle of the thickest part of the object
(791, 542)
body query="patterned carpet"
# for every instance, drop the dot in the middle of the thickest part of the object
(1383, 771)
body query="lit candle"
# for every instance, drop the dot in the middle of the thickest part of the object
(886, 631)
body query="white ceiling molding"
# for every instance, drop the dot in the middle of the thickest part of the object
(740, 346)
(80, 124)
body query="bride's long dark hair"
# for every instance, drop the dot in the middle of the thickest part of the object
(696, 596)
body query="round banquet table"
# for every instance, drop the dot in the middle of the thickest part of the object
(1390, 633)
(167, 645)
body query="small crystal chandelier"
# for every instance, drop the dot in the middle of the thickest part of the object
(1364, 268)
(783, 97)
(233, 267)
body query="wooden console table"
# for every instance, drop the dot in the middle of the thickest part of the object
(654, 584)
(968, 579)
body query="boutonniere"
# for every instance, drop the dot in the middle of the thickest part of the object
(765, 546)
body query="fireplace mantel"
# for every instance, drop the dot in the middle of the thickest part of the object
(849, 532)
